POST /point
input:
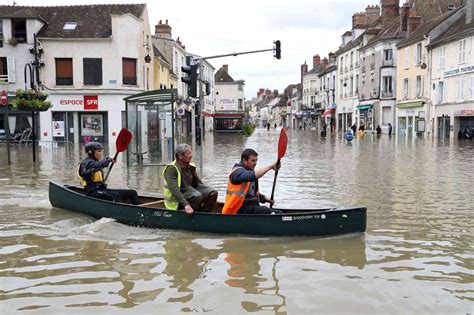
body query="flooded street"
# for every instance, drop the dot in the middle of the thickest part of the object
(416, 256)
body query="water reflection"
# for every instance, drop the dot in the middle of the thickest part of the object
(416, 256)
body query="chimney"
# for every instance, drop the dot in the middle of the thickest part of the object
(304, 70)
(469, 11)
(325, 63)
(316, 60)
(358, 19)
(372, 12)
(390, 8)
(404, 13)
(413, 22)
(332, 57)
(275, 93)
(226, 68)
(260, 92)
(163, 30)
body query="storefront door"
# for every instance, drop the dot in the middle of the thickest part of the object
(410, 127)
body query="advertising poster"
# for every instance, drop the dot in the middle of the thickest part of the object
(92, 125)
(58, 128)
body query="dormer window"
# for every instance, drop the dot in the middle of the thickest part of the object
(19, 30)
(70, 26)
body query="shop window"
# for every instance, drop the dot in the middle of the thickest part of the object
(3, 69)
(7, 70)
(64, 71)
(92, 71)
(19, 30)
(129, 69)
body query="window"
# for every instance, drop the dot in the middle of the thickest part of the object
(129, 70)
(352, 58)
(92, 71)
(3, 70)
(387, 85)
(240, 87)
(405, 88)
(387, 55)
(241, 104)
(407, 57)
(442, 56)
(472, 88)
(418, 54)
(64, 71)
(462, 51)
(356, 83)
(441, 93)
(418, 85)
(19, 30)
(70, 26)
(1, 33)
(460, 89)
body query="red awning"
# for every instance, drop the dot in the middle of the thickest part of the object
(328, 112)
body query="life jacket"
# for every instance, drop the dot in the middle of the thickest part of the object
(235, 195)
(171, 203)
(94, 178)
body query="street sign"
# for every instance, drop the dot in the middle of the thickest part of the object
(4, 97)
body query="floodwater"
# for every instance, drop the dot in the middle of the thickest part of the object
(416, 256)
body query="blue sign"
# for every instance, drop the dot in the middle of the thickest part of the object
(349, 136)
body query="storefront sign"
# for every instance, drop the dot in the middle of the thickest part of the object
(91, 102)
(464, 112)
(227, 104)
(58, 128)
(458, 71)
(88, 102)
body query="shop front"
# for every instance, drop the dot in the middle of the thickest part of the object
(82, 118)
(228, 122)
(411, 119)
(364, 113)
(464, 123)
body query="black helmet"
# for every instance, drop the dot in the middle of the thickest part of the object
(92, 146)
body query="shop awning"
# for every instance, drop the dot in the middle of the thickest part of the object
(328, 112)
(410, 104)
(364, 106)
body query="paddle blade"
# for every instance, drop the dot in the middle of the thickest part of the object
(282, 143)
(123, 140)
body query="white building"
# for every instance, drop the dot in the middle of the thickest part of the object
(229, 99)
(452, 78)
(91, 63)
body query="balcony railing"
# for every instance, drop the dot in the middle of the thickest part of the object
(372, 66)
(363, 68)
(357, 64)
(387, 94)
(387, 62)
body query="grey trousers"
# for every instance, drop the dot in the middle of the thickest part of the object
(202, 198)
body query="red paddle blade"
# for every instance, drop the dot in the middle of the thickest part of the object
(282, 143)
(123, 140)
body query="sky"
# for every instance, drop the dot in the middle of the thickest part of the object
(206, 28)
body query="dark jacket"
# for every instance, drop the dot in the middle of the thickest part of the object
(243, 174)
(88, 167)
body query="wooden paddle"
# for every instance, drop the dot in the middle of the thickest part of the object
(282, 144)
(123, 140)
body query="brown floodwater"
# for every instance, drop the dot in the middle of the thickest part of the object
(416, 256)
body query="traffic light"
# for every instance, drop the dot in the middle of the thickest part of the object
(277, 49)
(197, 108)
(198, 136)
(191, 79)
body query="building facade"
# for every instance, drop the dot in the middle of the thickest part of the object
(88, 72)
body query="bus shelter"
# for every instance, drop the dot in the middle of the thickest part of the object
(150, 117)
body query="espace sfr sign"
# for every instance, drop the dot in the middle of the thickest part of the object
(89, 102)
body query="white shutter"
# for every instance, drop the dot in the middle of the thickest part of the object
(445, 91)
(11, 69)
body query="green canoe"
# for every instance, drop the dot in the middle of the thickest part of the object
(152, 214)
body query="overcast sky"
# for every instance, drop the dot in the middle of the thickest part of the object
(304, 27)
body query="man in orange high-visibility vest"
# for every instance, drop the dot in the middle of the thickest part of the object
(242, 195)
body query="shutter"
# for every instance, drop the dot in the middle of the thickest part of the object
(92, 71)
(445, 91)
(11, 69)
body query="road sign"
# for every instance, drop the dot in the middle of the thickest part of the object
(4, 97)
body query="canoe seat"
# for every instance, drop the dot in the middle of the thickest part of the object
(154, 204)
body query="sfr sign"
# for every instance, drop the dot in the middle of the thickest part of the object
(91, 102)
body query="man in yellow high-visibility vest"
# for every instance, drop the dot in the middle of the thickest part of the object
(183, 189)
